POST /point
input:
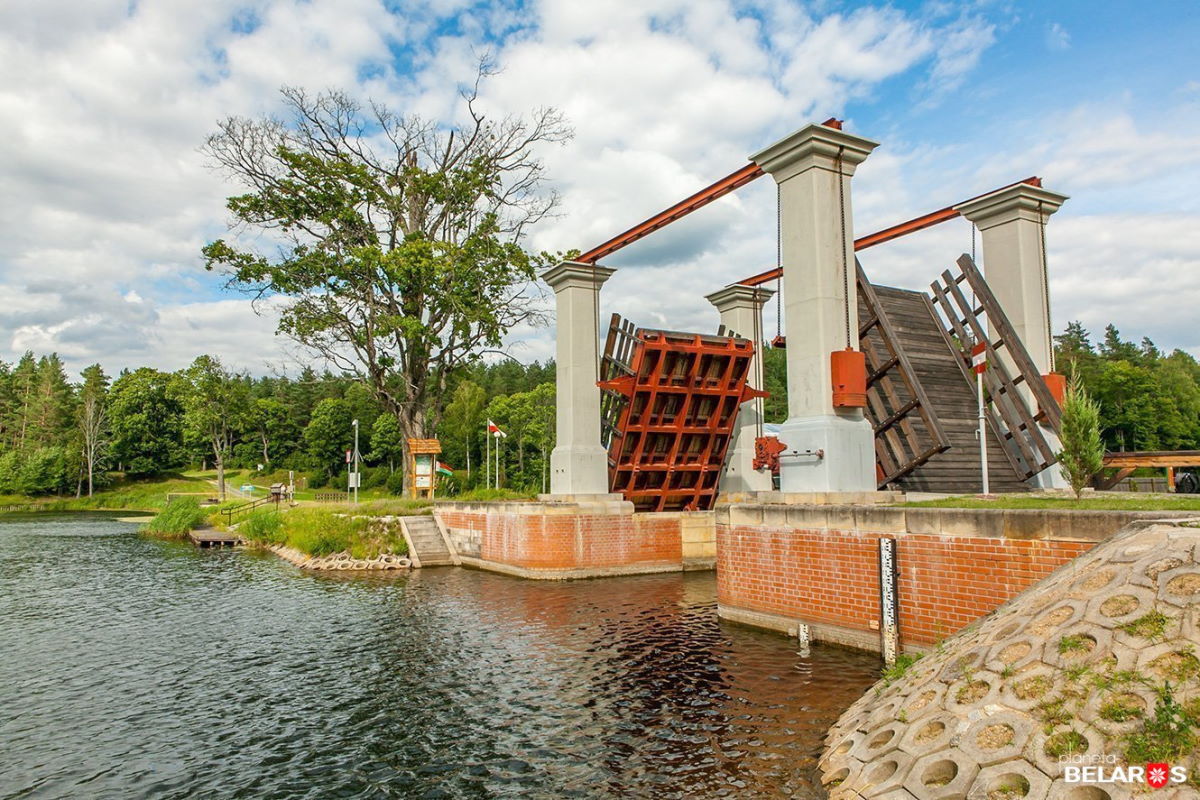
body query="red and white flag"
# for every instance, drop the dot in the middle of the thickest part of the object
(494, 430)
(979, 357)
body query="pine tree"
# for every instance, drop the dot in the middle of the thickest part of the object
(1082, 456)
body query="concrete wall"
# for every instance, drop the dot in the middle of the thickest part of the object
(778, 565)
(577, 540)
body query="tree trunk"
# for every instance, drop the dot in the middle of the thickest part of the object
(220, 462)
(91, 467)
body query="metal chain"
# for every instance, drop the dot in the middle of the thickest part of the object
(845, 252)
(1046, 287)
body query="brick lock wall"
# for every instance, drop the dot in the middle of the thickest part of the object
(832, 576)
(571, 541)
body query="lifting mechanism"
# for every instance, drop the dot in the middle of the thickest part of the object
(670, 400)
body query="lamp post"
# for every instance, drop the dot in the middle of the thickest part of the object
(356, 472)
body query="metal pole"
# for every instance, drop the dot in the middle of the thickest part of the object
(487, 458)
(356, 471)
(983, 459)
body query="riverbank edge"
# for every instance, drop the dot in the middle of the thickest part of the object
(337, 562)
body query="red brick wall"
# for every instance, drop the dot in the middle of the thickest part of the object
(832, 576)
(572, 541)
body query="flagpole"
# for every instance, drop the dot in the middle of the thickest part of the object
(983, 461)
(487, 455)
(979, 364)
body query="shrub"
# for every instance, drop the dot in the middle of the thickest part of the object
(1082, 456)
(395, 482)
(181, 515)
(263, 525)
(373, 477)
(320, 532)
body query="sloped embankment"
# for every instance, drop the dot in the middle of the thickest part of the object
(1095, 666)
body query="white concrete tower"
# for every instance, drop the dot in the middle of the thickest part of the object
(1011, 223)
(579, 463)
(741, 312)
(813, 168)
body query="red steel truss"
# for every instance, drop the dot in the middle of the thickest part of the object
(671, 407)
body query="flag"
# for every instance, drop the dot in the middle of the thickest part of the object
(494, 430)
(444, 470)
(979, 357)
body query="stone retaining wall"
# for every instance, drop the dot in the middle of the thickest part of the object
(780, 565)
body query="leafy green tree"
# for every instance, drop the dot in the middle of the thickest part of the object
(274, 427)
(387, 441)
(93, 422)
(147, 422)
(1082, 455)
(328, 435)
(404, 252)
(215, 405)
(463, 422)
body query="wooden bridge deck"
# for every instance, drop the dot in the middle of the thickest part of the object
(953, 398)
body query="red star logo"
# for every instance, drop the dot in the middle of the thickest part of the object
(1157, 775)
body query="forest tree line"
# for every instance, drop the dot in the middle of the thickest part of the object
(60, 435)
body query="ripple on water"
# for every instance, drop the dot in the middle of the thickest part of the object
(138, 668)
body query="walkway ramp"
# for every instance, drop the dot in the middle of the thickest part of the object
(427, 547)
(952, 398)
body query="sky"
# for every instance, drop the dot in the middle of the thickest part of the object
(107, 199)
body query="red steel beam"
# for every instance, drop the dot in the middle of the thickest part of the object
(700, 199)
(896, 231)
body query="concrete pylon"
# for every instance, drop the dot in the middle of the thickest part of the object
(828, 449)
(741, 312)
(1011, 223)
(579, 463)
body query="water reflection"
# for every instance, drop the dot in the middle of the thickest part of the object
(134, 667)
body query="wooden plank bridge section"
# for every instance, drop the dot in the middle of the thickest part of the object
(921, 396)
(669, 408)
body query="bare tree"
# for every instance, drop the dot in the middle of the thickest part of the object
(93, 421)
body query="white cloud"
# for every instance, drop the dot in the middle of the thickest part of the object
(1057, 37)
(108, 200)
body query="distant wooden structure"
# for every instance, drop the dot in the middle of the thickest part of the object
(1125, 463)
(422, 466)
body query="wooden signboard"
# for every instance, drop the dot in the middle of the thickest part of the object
(422, 466)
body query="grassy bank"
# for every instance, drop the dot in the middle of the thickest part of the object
(1095, 502)
(126, 494)
(323, 531)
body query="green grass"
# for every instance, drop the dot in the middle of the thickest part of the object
(489, 495)
(140, 494)
(321, 531)
(1099, 502)
(181, 515)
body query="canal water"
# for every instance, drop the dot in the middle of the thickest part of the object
(131, 667)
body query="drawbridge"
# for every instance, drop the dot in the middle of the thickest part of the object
(670, 400)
